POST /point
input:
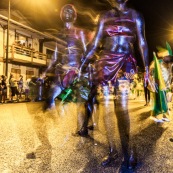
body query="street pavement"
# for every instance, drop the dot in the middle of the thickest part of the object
(24, 128)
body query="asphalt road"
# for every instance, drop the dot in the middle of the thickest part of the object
(24, 128)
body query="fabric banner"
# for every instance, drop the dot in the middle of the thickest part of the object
(160, 101)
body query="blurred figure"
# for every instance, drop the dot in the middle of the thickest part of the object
(33, 88)
(160, 101)
(4, 88)
(46, 86)
(20, 86)
(39, 96)
(169, 95)
(116, 34)
(26, 89)
(65, 67)
(0, 89)
(133, 87)
(13, 88)
(67, 80)
(139, 88)
(146, 92)
(91, 105)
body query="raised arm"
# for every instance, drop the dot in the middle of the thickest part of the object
(91, 49)
(140, 26)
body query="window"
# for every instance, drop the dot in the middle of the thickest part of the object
(16, 72)
(29, 74)
(49, 53)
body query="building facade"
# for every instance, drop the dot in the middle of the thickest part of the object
(29, 51)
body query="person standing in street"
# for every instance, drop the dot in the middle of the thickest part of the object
(118, 30)
(13, 88)
(146, 92)
(20, 86)
(4, 88)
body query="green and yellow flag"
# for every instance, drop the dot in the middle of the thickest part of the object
(160, 102)
(158, 74)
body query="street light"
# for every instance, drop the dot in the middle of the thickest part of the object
(7, 46)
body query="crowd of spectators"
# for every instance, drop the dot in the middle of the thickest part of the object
(20, 90)
(36, 88)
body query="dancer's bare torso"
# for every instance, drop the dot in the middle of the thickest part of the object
(72, 54)
(70, 59)
(119, 32)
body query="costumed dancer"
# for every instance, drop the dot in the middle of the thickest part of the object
(64, 68)
(68, 84)
(117, 32)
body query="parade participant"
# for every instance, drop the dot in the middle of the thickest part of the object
(146, 92)
(160, 72)
(64, 68)
(117, 32)
(67, 65)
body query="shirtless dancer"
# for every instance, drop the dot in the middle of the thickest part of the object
(117, 32)
(68, 62)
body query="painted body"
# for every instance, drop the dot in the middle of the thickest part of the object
(117, 32)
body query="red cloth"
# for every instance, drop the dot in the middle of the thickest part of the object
(109, 65)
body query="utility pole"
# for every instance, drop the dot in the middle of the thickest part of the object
(7, 46)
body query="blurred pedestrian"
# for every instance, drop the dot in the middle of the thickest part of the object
(0, 89)
(4, 88)
(139, 88)
(26, 89)
(146, 92)
(33, 88)
(20, 86)
(118, 30)
(39, 96)
(13, 88)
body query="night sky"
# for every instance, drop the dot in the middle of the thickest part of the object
(158, 15)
